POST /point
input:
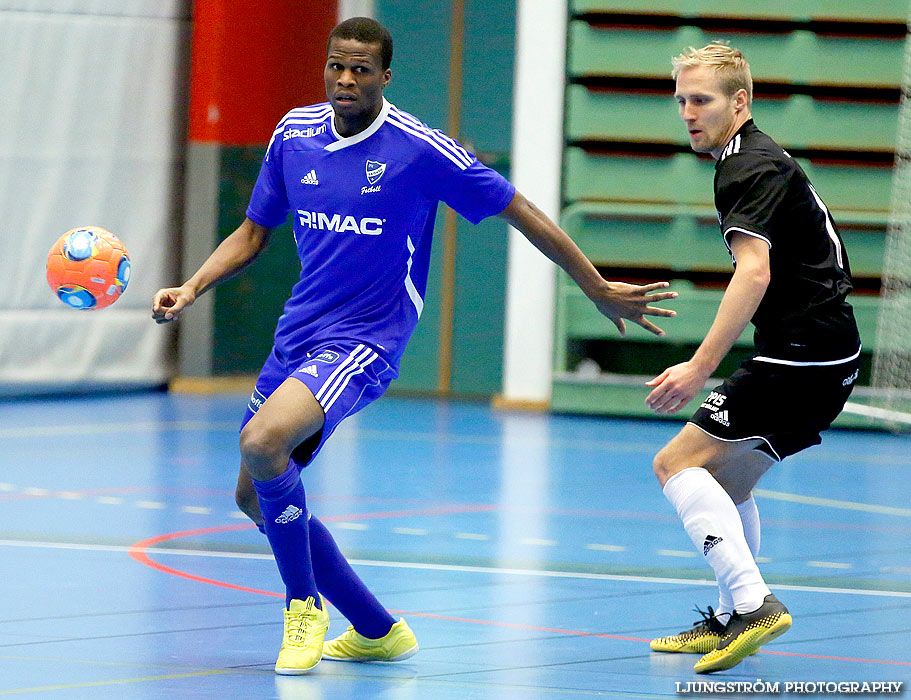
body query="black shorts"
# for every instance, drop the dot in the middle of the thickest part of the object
(785, 406)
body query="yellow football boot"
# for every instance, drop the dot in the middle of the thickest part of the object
(398, 644)
(302, 644)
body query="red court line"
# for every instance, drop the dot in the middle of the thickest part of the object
(138, 553)
(838, 658)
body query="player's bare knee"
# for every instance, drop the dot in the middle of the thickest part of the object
(670, 461)
(262, 450)
(663, 465)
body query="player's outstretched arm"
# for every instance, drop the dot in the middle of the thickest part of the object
(232, 255)
(676, 386)
(616, 300)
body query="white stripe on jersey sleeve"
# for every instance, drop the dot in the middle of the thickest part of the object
(748, 233)
(319, 120)
(312, 109)
(317, 113)
(829, 228)
(436, 134)
(404, 127)
(303, 113)
(732, 148)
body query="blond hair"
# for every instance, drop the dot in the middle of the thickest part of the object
(730, 65)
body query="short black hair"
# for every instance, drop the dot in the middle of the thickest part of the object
(366, 31)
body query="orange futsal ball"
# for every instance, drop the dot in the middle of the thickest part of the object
(88, 268)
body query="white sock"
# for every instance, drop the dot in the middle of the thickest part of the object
(749, 518)
(713, 524)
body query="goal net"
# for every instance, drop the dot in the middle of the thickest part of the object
(888, 399)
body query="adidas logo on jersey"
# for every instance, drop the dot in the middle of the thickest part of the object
(710, 541)
(290, 514)
(722, 417)
(311, 370)
(310, 178)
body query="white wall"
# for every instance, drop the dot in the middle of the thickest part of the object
(91, 133)
(354, 8)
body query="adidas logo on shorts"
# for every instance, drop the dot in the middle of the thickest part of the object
(722, 417)
(710, 541)
(290, 514)
(311, 370)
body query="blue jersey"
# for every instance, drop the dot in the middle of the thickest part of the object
(363, 209)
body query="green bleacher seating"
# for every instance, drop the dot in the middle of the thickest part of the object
(695, 309)
(799, 57)
(639, 202)
(684, 178)
(895, 11)
(798, 121)
(687, 238)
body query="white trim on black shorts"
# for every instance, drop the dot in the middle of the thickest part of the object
(752, 437)
(794, 363)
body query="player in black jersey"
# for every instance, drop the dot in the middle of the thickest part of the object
(791, 277)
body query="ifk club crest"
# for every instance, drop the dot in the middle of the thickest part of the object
(375, 171)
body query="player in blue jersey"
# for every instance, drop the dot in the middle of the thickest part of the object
(362, 181)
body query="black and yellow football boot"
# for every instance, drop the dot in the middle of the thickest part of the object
(745, 633)
(702, 638)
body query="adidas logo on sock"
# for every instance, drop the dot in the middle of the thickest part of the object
(710, 541)
(311, 370)
(290, 514)
(722, 417)
(310, 178)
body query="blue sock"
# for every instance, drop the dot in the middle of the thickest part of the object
(338, 582)
(284, 508)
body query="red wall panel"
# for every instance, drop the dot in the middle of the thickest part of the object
(252, 62)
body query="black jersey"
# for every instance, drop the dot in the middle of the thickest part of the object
(761, 191)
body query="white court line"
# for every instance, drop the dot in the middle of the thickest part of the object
(606, 547)
(197, 510)
(683, 554)
(832, 503)
(409, 531)
(860, 409)
(543, 573)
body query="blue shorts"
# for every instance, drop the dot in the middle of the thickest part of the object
(344, 376)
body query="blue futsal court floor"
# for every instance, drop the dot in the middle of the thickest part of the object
(533, 555)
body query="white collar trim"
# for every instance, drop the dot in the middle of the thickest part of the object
(345, 141)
